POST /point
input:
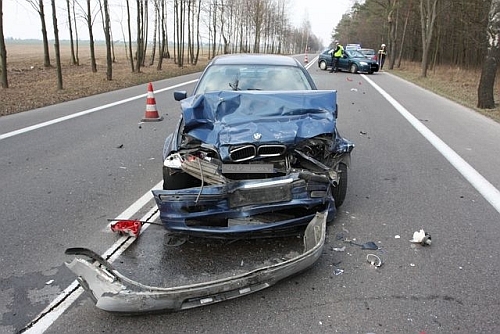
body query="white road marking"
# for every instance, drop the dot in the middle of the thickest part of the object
(483, 186)
(86, 112)
(59, 305)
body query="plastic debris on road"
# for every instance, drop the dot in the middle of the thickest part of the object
(374, 260)
(421, 237)
(127, 227)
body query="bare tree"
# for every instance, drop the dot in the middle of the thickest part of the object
(140, 41)
(3, 52)
(131, 56)
(179, 18)
(88, 17)
(195, 60)
(258, 9)
(162, 24)
(56, 46)
(485, 90)
(392, 7)
(38, 7)
(428, 13)
(155, 31)
(70, 22)
(145, 24)
(402, 42)
(76, 35)
(213, 26)
(107, 36)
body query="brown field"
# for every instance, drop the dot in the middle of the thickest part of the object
(32, 86)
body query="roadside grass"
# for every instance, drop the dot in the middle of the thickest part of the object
(454, 83)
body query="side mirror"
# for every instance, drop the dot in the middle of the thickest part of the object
(180, 95)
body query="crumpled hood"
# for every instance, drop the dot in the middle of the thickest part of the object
(224, 118)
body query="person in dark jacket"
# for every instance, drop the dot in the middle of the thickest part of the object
(382, 53)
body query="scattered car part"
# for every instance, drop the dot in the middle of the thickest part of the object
(114, 292)
(374, 260)
(421, 237)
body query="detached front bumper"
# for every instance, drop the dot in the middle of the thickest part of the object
(113, 292)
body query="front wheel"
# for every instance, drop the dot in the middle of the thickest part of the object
(354, 68)
(340, 191)
(322, 65)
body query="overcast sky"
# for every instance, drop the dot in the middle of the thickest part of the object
(22, 22)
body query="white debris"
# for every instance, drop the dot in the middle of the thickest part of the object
(421, 237)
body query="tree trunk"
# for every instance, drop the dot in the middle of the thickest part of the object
(485, 91)
(153, 50)
(46, 56)
(70, 22)
(76, 36)
(401, 45)
(131, 55)
(145, 24)
(107, 36)
(138, 52)
(428, 14)
(56, 47)
(3, 52)
(91, 39)
(163, 35)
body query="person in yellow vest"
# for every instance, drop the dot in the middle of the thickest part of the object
(336, 53)
(382, 53)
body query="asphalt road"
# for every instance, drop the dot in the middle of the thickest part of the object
(420, 162)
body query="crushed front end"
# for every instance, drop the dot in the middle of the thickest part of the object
(253, 164)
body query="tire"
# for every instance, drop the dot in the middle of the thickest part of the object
(322, 65)
(353, 69)
(178, 180)
(340, 191)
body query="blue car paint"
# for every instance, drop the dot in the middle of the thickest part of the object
(230, 118)
(225, 118)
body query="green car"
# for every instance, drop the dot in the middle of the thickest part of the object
(352, 61)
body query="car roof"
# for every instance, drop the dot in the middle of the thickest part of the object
(254, 59)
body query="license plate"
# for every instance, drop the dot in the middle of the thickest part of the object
(263, 195)
(247, 168)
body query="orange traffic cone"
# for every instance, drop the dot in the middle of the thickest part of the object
(151, 111)
(305, 59)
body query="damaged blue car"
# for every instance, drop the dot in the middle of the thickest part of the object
(256, 152)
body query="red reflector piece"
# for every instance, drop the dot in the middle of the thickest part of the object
(130, 227)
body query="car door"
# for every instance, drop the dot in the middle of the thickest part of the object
(344, 61)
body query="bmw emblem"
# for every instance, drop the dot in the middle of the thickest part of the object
(257, 136)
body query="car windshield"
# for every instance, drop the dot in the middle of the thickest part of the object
(252, 77)
(355, 54)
